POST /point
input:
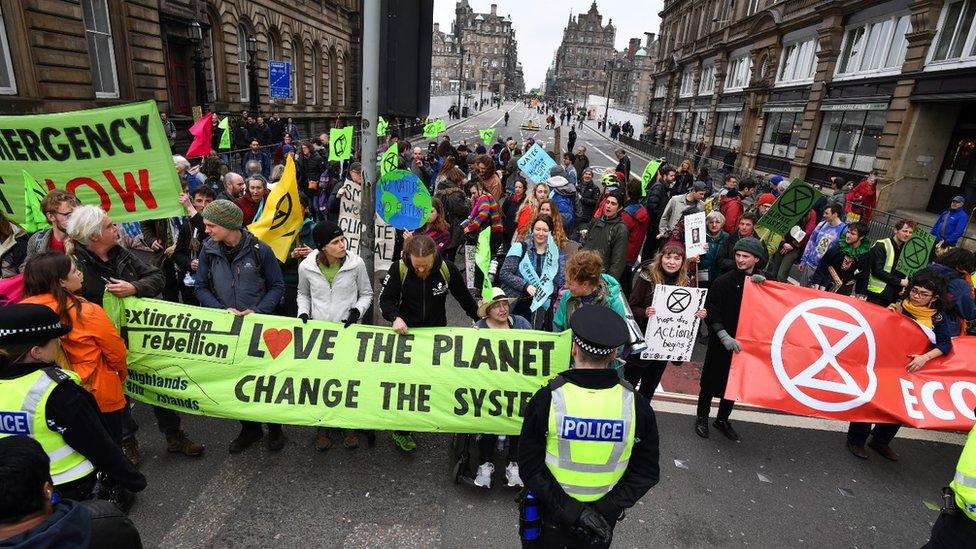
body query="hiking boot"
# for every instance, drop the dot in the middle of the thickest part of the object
(724, 426)
(483, 478)
(178, 443)
(512, 475)
(244, 440)
(350, 440)
(404, 442)
(276, 439)
(701, 427)
(857, 450)
(130, 447)
(323, 441)
(883, 449)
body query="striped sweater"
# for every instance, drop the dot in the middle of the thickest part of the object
(485, 211)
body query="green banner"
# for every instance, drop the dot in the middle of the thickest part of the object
(487, 136)
(649, 172)
(34, 218)
(434, 127)
(390, 160)
(916, 253)
(340, 143)
(790, 207)
(381, 127)
(115, 157)
(224, 126)
(279, 370)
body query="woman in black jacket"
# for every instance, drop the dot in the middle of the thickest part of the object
(308, 169)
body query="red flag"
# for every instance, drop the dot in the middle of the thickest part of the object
(825, 355)
(202, 133)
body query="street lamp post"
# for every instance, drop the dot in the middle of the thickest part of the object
(196, 35)
(460, 80)
(252, 73)
(484, 69)
(606, 113)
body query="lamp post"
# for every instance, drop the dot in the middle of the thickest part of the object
(460, 80)
(608, 67)
(484, 70)
(196, 36)
(252, 73)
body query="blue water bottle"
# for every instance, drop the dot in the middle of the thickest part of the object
(531, 526)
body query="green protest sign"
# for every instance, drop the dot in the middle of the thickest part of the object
(390, 160)
(381, 127)
(279, 370)
(487, 136)
(225, 135)
(434, 127)
(649, 172)
(115, 157)
(790, 207)
(402, 200)
(340, 143)
(34, 218)
(916, 253)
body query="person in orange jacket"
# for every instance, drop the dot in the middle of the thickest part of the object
(93, 348)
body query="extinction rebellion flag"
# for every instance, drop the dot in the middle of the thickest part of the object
(825, 355)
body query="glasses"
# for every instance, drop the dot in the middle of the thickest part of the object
(921, 293)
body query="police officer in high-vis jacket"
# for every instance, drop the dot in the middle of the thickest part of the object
(589, 444)
(42, 401)
(956, 526)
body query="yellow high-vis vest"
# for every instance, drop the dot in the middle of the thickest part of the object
(23, 405)
(964, 482)
(876, 285)
(591, 436)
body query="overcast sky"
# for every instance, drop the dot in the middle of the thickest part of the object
(539, 25)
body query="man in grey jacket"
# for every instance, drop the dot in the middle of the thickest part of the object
(679, 204)
(238, 272)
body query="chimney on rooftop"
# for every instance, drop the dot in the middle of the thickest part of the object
(494, 9)
(437, 27)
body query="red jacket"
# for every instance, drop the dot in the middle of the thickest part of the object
(731, 208)
(866, 194)
(636, 219)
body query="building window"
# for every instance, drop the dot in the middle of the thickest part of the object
(661, 88)
(956, 36)
(8, 84)
(707, 84)
(873, 47)
(688, 82)
(752, 6)
(242, 63)
(698, 124)
(849, 139)
(98, 34)
(316, 71)
(728, 126)
(781, 132)
(798, 62)
(680, 133)
(737, 76)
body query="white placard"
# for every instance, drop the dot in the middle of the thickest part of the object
(351, 226)
(695, 234)
(672, 331)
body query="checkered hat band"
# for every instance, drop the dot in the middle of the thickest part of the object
(55, 326)
(599, 351)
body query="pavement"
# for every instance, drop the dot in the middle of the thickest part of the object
(790, 482)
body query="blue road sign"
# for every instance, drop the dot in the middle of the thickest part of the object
(279, 77)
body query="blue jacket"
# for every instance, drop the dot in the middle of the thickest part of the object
(510, 278)
(953, 222)
(959, 291)
(261, 157)
(253, 280)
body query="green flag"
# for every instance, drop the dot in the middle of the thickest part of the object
(224, 137)
(487, 135)
(34, 219)
(482, 259)
(791, 206)
(390, 160)
(381, 126)
(916, 253)
(434, 127)
(340, 143)
(649, 172)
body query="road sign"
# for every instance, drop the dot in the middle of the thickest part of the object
(279, 79)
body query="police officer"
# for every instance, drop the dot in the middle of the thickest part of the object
(40, 400)
(589, 444)
(956, 526)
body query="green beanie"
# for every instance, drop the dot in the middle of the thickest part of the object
(224, 213)
(750, 245)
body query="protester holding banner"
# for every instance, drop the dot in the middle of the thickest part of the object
(66, 421)
(668, 267)
(725, 257)
(415, 296)
(57, 206)
(239, 273)
(723, 303)
(333, 285)
(566, 440)
(539, 258)
(485, 215)
(927, 304)
(842, 267)
(884, 281)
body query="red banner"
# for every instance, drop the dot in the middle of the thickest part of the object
(825, 355)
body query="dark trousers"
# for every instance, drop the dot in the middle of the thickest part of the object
(114, 422)
(858, 432)
(651, 242)
(559, 537)
(647, 372)
(167, 420)
(486, 448)
(705, 405)
(255, 426)
(78, 490)
(955, 531)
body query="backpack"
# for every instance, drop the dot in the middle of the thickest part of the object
(445, 272)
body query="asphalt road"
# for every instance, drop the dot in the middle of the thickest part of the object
(789, 483)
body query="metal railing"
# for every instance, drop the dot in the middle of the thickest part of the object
(882, 225)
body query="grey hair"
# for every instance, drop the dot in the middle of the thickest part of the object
(253, 166)
(181, 162)
(716, 215)
(277, 172)
(84, 223)
(256, 177)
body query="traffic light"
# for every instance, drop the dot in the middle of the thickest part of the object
(406, 30)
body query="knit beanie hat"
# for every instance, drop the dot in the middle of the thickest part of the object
(557, 171)
(751, 245)
(224, 213)
(766, 198)
(325, 231)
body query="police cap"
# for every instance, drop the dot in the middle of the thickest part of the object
(597, 329)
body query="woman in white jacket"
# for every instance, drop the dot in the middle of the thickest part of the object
(333, 285)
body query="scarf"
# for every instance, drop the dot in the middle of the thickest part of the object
(543, 281)
(851, 251)
(922, 315)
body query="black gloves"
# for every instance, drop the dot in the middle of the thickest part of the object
(593, 525)
(352, 318)
(304, 318)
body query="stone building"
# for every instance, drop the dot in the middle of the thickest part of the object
(632, 73)
(812, 89)
(489, 49)
(445, 63)
(60, 55)
(580, 60)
